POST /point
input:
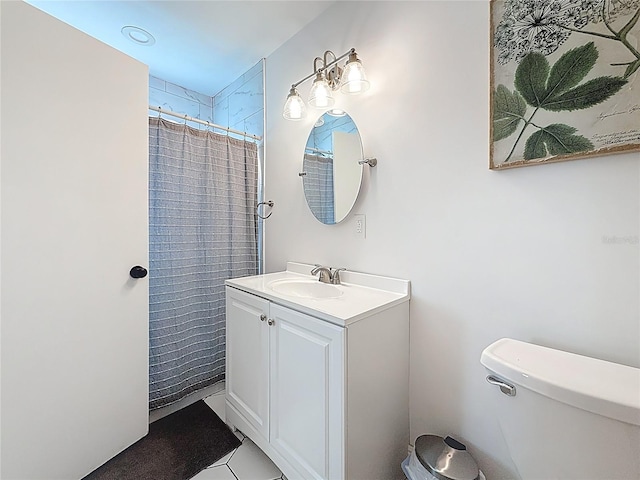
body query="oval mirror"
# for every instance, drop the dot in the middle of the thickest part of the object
(331, 174)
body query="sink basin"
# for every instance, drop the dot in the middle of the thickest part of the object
(305, 288)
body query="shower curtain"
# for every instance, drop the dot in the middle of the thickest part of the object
(202, 231)
(318, 186)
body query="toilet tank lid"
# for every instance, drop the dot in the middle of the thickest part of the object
(598, 386)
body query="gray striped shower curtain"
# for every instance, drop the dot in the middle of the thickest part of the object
(318, 186)
(202, 231)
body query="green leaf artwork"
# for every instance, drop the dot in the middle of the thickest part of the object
(571, 68)
(509, 109)
(556, 139)
(564, 79)
(531, 78)
(586, 95)
(552, 88)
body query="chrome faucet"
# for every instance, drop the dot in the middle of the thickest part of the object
(327, 274)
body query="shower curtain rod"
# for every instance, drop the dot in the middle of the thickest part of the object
(203, 122)
(317, 150)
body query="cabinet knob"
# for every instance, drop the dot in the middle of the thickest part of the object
(271, 322)
(263, 317)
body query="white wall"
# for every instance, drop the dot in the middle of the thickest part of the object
(547, 254)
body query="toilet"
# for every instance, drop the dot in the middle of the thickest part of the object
(564, 416)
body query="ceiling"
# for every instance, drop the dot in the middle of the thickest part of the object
(200, 45)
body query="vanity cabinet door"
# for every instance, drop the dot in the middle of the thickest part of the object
(307, 385)
(247, 360)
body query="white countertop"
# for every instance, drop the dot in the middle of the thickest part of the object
(362, 294)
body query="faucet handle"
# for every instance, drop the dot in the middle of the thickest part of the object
(335, 275)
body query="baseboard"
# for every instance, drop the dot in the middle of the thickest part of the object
(159, 413)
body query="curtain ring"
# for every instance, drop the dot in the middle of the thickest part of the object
(268, 204)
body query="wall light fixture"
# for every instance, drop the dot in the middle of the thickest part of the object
(329, 77)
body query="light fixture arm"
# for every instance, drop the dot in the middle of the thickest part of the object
(325, 65)
(324, 58)
(315, 67)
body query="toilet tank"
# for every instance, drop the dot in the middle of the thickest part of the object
(570, 417)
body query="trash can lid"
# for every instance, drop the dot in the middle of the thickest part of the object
(446, 458)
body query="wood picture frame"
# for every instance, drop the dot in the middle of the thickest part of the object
(564, 80)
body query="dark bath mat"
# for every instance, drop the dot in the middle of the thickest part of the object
(177, 447)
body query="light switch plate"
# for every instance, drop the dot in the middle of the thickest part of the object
(360, 226)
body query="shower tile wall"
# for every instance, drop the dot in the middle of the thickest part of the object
(178, 99)
(239, 105)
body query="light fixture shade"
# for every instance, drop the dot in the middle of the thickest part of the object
(354, 80)
(294, 108)
(336, 112)
(320, 94)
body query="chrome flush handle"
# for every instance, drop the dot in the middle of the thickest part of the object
(505, 387)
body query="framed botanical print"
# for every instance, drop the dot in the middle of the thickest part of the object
(565, 80)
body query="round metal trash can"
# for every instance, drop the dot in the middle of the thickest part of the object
(437, 458)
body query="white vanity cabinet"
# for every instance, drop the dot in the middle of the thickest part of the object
(286, 375)
(324, 393)
(247, 357)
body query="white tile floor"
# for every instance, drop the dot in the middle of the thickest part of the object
(247, 462)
